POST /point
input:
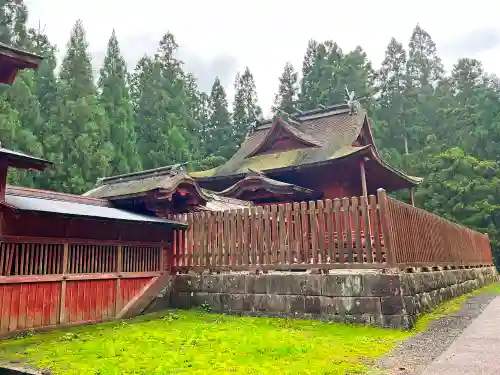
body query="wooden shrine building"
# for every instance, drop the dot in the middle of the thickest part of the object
(65, 258)
(162, 192)
(318, 154)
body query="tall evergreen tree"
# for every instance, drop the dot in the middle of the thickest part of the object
(322, 82)
(286, 97)
(391, 81)
(48, 93)
(423, 72)
(176, 84)
(245, 105)
(85, 133)
(116, 102)
(13, 17)
(219, 142)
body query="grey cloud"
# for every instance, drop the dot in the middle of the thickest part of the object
(205, 71)
(471, 43)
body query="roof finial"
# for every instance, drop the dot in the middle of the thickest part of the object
(351, 101)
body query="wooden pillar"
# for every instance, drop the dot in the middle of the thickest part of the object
(3, 178)
(119, 268)
(412, 196)
(386, 227)
(62, 300)
(363, 177)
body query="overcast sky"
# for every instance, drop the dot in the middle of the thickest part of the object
(221, 37)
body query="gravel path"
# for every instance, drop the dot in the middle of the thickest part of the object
(416, 353)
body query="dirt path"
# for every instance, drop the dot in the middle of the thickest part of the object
(415, 354)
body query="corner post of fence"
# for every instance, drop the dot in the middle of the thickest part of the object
(385, 220)
(62, 300)
(119, 269)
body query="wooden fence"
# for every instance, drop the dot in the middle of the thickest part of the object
(358, 232)
(419, 238)
(46, 282)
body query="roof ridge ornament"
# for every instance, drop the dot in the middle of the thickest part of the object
(288, 117)
(352, 102)
(258, 119)
(178, 168)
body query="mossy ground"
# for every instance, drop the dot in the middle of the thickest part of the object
(195, 342)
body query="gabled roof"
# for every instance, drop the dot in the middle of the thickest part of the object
(278, 126)
(12, 60)
(257, 179)
(220, 203)
(334, 128)
(167, 179)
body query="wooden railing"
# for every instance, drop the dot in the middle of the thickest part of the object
(46, 282)
(358, 232)
(339, 233)
(419, 238)
(40, 256)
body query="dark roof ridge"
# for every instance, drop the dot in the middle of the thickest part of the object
(305, 115)
(165, 170)
(20, 51)
(55, 195)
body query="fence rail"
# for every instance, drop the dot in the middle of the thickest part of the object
(325, 234)
(357, 232)
(47, 282)
(22, 258)
(419, 238)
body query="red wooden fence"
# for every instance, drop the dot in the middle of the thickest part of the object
(357, 232)
(47, 282)
(419, 238)
(339, 233)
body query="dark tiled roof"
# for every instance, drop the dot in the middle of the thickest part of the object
(21, 160)
(266, 183)
(332, 129)
(66, 207)
(133, 184)
(48, 194)
(18, 53)
(12, 60)
(306, 139)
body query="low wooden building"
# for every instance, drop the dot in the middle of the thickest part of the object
(67, 259)
(324, 153)
(162, 192)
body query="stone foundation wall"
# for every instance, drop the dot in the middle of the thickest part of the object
(366, 297)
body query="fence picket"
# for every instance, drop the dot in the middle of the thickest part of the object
(330, 233)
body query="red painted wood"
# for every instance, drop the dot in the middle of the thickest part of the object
(25, 306)
(79, 241)
(89, 300)
(130, 287)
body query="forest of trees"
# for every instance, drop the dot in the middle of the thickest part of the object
(443, 126)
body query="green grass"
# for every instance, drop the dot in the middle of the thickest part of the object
(194, 342)
(451, 306)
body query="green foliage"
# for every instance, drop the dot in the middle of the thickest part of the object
(245, 105)
(219, 132)
(115, 100)
(286, 97)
